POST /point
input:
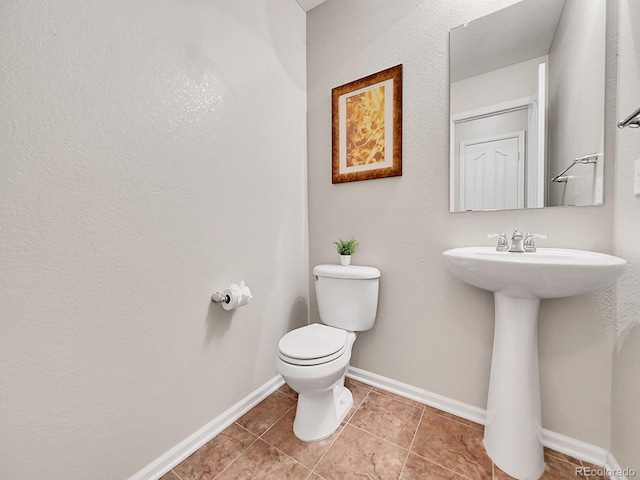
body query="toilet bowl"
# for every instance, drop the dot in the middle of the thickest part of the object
(318, 377)
(314, 359)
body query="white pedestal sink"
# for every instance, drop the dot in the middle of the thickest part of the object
(513, 430)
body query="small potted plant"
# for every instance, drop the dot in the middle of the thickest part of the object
(346, 249)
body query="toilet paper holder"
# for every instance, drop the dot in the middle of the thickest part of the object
(233, 297)
(217, 297)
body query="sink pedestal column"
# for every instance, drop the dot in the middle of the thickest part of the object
(513, 431)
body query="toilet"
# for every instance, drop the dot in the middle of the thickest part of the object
(313, 360)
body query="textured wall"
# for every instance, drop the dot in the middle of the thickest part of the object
(498, 86)
(152, 152)
(626, 371)
(432, 330)
(576, 57)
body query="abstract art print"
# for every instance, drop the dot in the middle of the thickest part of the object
(367, 127)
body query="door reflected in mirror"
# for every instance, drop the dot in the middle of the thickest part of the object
(527, 107)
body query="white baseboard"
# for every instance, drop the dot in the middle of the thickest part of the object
(615, 471)
(460, 409)
(574, 448)
(611, 469)
(177, 454)
(560, 443)
(555, 441)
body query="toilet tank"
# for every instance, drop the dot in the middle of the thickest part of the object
(347, 295)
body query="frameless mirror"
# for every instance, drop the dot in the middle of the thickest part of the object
(527, 106)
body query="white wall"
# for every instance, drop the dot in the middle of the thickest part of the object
(626, 371)
(498, 86)
(576, 114)
(130, 136)
(432, 330)
(151, 153)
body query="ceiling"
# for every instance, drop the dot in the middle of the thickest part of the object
(522, 31)
(309, 4)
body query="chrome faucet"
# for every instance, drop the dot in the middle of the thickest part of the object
(529, 246)
(517, 240)
(503, 243)
(519, 243)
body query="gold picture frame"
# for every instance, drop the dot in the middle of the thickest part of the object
(367, 127)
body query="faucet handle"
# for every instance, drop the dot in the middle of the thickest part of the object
(529, 246)
(503, 243)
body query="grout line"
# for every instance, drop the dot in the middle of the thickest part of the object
(295, 405)
(288, 395)
(287, 455)
(376, 436)
(252, 433)
(235, 459)
(327, 450)
(174, 472)
(554, 454)
(565, 461)
(337, 436)
(316, 474)
(443, 466)
(359, 384)
(462, 475)
(480, 428)
(398, 398)
(409, 450)
(241, 452)
(432, 410)
(312, 470)
(415, 434)
(357, 408)
(343, 427)
(247, 430)
(448, 416)
(431, 460)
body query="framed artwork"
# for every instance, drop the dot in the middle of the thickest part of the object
(367, 127)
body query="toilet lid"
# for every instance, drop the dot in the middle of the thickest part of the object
(312, 344)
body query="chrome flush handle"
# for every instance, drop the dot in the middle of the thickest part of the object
(529, 246)
(503, 243)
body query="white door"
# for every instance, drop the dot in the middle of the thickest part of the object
(492, 172)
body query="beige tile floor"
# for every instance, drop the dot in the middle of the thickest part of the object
(384, 436)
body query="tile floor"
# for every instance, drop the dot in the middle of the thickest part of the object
(384, 436)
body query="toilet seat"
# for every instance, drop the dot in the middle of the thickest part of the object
(312, 345)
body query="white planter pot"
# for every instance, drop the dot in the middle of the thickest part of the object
(345, 259)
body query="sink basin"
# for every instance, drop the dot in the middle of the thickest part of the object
(546, 273)
(513, 430)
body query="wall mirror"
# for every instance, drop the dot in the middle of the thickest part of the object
(527, 106)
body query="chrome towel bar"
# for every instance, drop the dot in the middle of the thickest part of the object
(632, 120)
(591, 158)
